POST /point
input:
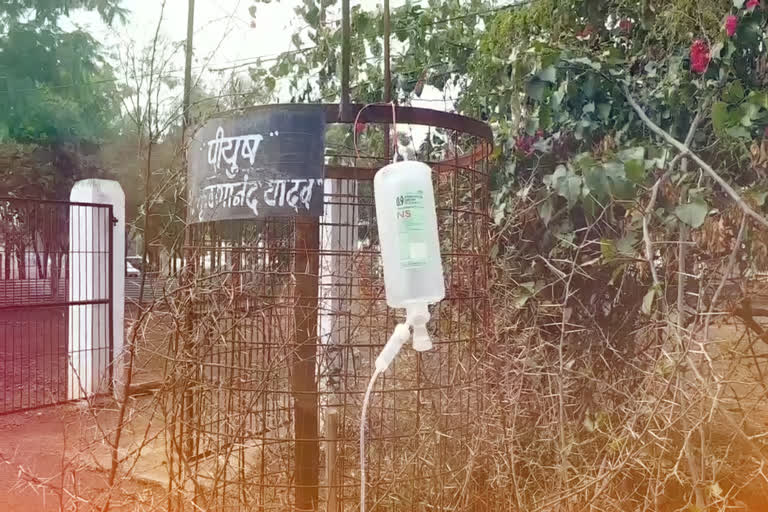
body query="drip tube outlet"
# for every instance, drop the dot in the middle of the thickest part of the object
(417, 316)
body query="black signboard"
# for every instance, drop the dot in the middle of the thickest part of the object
(267, 162)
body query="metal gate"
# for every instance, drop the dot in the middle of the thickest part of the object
(56, 294)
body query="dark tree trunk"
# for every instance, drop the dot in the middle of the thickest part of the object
(38, 262)
(8, 258)
(55, 273)
(46, 261)
(21, 260)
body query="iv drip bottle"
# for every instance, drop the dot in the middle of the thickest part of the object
(410, 248)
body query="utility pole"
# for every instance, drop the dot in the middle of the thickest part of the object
(188, 65)
(387, 74)
(185, 120)
(345, 55)
(188, 443)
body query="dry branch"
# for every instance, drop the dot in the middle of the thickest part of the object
(686, 152)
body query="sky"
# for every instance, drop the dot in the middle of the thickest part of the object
(225, 33)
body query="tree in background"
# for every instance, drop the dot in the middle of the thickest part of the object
(57, 86)
(57, 101)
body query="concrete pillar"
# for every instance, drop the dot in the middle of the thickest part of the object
(338, 241)
(90, 357)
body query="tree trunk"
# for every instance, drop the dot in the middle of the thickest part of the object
(55, 273)
(8, 258)
(38, 263)
(20, 260)
(46, 261)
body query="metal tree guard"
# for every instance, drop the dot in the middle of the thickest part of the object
(286, 318)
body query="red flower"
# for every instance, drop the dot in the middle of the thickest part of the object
(765, 132)
(751, 4)
(700, 56)
(359, 127)
(731, 22)
(626, 25)
(524, 144)
(586, 33)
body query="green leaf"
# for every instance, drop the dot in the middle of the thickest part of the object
(546, 209)
(548, 74)
(623, 190)
(570, 189)
(719, 116)
(694, 213)
(636, 153)
(738, 3)
(635, 170)
(596, 181)
(716, 49)
(617, 273)
(734, 93)
(604, 110)
(312, 15)
(566, 183)
(592, 207)
(532, 125)
(551, 179)
(589, 108)
(759, 98)
(608, 250)
(524, 292)
(749, 112)
(535, 89)
(757, 195)
(557, 99)
(585, 62)
(738, 132)
(626, 244)
(614, 170)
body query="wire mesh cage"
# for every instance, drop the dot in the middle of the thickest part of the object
(284, 320)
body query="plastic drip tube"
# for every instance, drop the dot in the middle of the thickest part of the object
(394, 344)
(366, 399)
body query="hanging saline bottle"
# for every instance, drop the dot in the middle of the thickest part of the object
(410, 247)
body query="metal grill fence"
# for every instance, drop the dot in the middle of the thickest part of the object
(284, 323)
(55, 301)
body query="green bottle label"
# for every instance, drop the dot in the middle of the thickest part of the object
(411, 226)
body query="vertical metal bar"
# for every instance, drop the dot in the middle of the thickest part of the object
(387, 77)
(303, 375)
(111, 223)
(188, 64)
(6, 384)
(345, 55)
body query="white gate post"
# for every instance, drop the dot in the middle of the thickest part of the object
(338, 241)
(88, 334)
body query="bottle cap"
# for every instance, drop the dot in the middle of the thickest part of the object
(417, 316)
(421, 340)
